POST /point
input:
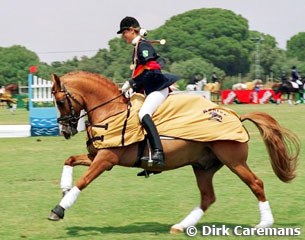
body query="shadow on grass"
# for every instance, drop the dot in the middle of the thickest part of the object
(143, 227)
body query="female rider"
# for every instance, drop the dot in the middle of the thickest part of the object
(147, 78)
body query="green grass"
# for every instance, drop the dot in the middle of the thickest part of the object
(119, 205)
(20, 116)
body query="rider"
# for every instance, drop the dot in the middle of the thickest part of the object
(296, 84)
(147, 78)
(294, 74)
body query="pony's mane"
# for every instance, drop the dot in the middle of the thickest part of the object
(92, 76)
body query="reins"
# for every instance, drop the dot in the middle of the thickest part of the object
(72, 116)
(98, 106)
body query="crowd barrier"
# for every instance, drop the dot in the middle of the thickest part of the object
(205, 94)
(246, 96)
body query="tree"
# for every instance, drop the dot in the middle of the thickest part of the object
(268, 53)
(217, 35)
(15, 63)
(114, 63)
(195, 66)
(295, 46)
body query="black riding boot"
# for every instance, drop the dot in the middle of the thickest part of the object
(155, 142)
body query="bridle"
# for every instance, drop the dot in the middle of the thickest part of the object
(72, 118)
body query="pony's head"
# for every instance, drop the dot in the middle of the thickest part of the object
(68, 105)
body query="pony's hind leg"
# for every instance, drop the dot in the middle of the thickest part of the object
(205, 185)
(257, 187)
(234, 155)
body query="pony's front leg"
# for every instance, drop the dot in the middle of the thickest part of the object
(104, 160)
(67, 172)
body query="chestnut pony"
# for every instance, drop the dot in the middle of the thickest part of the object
(7, 95)
(101, 98)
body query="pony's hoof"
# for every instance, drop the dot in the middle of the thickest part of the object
(175, 229)
(264, 224)
(57, 213)
(53, 217)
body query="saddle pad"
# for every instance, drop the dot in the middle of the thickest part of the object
(294, 84)
(184, 116)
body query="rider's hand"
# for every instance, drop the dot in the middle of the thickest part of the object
(128, 93)
(125, 87)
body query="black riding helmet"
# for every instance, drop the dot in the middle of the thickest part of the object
(127, 23)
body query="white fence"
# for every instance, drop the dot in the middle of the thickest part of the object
(41, 90)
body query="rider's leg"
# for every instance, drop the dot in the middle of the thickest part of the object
(150, 105)
(154, 140)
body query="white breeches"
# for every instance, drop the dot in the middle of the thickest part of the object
(152, 102)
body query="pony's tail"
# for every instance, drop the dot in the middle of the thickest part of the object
(283, 145)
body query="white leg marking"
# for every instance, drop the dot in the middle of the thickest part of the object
(266, 215)
(190, 220)
(66, 178)
(70, 198)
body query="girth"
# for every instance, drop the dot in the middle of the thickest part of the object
(141, 148)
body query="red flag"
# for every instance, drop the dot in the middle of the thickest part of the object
(33, 69)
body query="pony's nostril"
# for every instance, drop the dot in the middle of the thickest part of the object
(66, 134)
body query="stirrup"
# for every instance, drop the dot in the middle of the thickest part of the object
(146, 173)
(152, 162)
(156, 160)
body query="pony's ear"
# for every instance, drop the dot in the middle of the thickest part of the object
(56, 83)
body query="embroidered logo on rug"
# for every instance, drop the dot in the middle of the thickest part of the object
(215, 114)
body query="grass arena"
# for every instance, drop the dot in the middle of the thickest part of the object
(120, 205)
